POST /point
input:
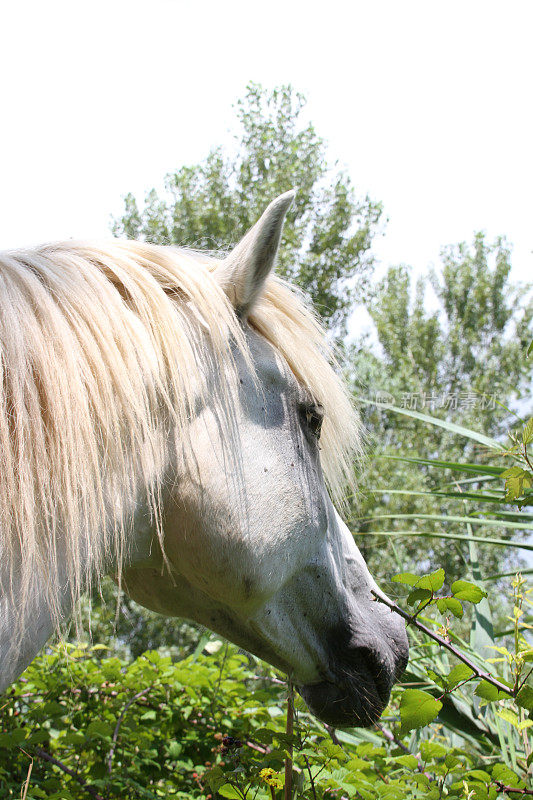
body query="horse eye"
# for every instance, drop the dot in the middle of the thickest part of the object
(313, 415)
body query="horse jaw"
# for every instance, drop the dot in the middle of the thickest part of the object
(323, 628)
(345, 654)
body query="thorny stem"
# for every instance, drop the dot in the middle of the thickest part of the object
(444, 643)
(88, 788)
(512, 789)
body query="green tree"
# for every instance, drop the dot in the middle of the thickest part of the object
(454, 348)
(327, 235)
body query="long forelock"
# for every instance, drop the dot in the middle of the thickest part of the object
(102, 350)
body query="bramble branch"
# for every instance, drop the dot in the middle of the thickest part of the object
(512, 789)
(88, 788)
(119, 723)
(478, 673)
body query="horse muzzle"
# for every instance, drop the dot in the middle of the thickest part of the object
(360, 687)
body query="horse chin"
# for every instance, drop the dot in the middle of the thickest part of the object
(356, 703)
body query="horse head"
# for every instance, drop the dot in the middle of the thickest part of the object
(253, 542)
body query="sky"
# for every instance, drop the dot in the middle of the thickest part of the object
(426, 104)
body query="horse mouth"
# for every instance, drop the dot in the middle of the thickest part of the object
(354, 704)
(358, 694)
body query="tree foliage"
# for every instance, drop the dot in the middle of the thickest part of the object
(80, 723)
(454, 348)
(328, 234)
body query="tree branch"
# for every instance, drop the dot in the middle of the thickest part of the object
(486, 676)
(392, 738)
(512, 789)
(119, 723)
(88, 788)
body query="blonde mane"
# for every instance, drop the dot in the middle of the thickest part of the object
(102, 351)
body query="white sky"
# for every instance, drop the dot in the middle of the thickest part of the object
(428, 105)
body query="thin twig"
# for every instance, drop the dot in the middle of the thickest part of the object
(530, 465)
(512, 789)
(392, 738)
(214, 696)
(522, 683)
(444, 643)
(332, 734)
(119, 723)
(88, 788)
(289, 731)
(310, 776)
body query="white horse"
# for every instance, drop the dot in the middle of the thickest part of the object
(160, 417)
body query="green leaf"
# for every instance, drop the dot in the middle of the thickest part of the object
(432, 582)
(487, 521)
(517, 480)
(465, 590)
(524, 698)
(460, 537)
(227, 790)
(530, 349)
(175, 749)
(478, 469)
(512, 472)
(513, 719)
(418, 595)
(451, 760)
(417, 708)
(432, 750)
(214, 777)
(406, 577)
(527, 433)
(458, 674)
(490, 692)
(501, 772)
(408, 761)
(493, 444)
(478, 775)
(445, 604)
(98, 728)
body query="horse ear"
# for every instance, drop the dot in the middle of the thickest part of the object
(244, 271)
